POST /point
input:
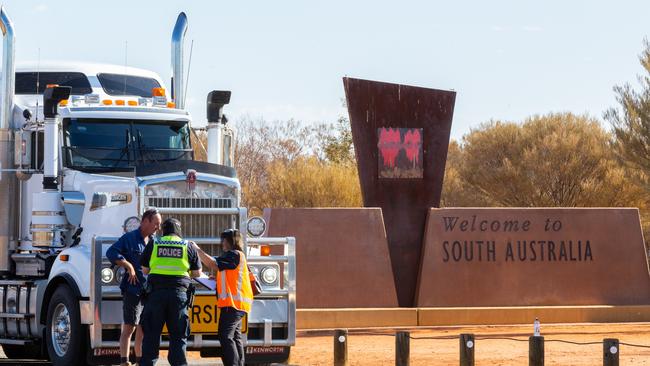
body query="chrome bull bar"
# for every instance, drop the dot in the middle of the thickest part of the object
(287, 292)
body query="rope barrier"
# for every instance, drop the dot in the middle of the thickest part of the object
(573, 342)
(634, 345)
(478, 337)
(501, 338)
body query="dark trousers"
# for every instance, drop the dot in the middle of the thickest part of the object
(232, 347)
(165, 306)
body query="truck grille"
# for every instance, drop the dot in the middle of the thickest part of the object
(198, 225)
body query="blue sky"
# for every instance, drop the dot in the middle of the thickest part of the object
(285, 59)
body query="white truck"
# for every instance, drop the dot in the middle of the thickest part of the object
(84, 150)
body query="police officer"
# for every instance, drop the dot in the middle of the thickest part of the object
(126, 252)
(234, 294)
(170, 262)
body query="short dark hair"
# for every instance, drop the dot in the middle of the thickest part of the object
(171, 226)
(234, 238)
(149, 213)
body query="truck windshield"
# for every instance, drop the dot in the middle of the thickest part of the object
(104, 145)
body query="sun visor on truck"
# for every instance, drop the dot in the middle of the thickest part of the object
(184, 165)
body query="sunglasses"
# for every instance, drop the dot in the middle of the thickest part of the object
(229, 233)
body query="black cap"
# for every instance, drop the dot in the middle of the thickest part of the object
(171, 226)
(230, 234)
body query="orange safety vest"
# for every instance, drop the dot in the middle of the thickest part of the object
(234, 287)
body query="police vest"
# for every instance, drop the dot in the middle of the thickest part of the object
(234, 287)
(169, 257)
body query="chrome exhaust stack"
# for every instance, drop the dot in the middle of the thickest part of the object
(8, 181)
(8, 68)
(178, 42)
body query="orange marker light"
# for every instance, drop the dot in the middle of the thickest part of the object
(265, 250)
(171, 105)
(64, 257)
(51, 86)
(120, 102)
(158, 92)
(63, 103)
(132, 102)
(107, 102)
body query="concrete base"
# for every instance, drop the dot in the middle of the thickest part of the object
(356, 318)
(412, 317)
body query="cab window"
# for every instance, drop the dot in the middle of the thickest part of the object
(35, 82)
(118, 85)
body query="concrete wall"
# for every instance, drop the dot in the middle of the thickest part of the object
(342, 256)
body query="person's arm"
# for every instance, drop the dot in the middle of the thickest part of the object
(228, 260)
(114, 254)
(195, 262)
(205, 258)
(146, 257)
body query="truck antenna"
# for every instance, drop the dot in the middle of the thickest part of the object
(126, 53)
(189, 66)
(38, 81)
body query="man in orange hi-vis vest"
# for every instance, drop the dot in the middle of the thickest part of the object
(234, 294)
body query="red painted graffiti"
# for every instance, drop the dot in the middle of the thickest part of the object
(413, 145)
(389, 145)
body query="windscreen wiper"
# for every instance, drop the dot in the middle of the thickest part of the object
(142, 149)
(125, 150)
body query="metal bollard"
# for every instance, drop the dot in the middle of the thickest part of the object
(402, 348)
(341, 347)
(611, 351)
(467, 349)
(536, 351)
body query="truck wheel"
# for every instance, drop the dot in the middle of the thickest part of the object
(20, 352)
(63, 331)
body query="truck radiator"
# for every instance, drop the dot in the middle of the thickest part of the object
(198, 225)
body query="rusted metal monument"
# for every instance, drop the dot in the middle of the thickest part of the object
(401, 136)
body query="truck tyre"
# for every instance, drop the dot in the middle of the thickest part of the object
(63, 330)
(20, 352)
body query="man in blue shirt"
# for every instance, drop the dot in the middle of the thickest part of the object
(126, 253)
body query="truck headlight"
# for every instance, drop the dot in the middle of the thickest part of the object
(269, 275)
(107, 275)
(119, 274)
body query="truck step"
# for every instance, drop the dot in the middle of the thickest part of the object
(19, 342)
(15, 316)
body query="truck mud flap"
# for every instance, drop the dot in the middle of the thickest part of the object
(256, 354)
(103, 356)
